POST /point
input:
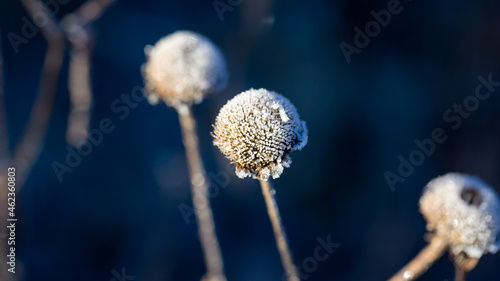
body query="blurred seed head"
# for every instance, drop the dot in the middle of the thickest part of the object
(465, 211)
(182, 68)
(257, 130)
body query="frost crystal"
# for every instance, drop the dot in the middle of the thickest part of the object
(183, 67)
(465, 211)
(257, 130)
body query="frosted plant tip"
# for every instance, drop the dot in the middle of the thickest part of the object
(257, 130)
(464, 211)
(183, 67)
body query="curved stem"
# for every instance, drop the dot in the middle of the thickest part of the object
(32, 138)
(31, 141)
(279, 231)
(463, 265)
(201, 202)
(423, 261)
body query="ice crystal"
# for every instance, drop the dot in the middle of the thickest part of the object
(257, 130)
(464, 211)
(183, 67)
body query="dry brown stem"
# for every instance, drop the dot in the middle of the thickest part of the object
(76, 27)
(423, 261)
(279, 231)
(199, 190)
(29, 147)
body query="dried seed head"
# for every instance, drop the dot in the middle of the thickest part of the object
(183, 67)
(257, 130)
(465, 211)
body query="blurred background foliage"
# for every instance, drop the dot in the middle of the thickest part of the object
(120, 207)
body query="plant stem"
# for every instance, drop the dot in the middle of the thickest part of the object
(460, 273)
(77, 27)
(423, 261)
(30, 145)
(279, 232)
(80, 95)
(201, 202)
(32, 138)
(463, 265)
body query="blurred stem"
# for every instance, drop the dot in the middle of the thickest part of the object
(79, 85)
(91, 10)
(460, 274)
(201, 202)
(30, 144)
(423, 261)
(29, 147)
(463, 265)
(76, 27)
(279, 231)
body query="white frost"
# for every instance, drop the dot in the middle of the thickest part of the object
(183, 67)
(257, 130)
(465, 211)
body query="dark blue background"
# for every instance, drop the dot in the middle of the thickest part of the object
(120, 207)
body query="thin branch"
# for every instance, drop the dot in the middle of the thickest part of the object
(92, 10)
(79, 85)
(279, 232)
(201, 202)
(423, 261)
(76, 27)
(32, 138)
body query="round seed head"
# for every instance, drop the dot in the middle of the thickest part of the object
(183, 67)
(465, 212)
(257, 130)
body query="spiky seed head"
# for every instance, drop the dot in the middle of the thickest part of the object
(257, 130)
(183, 67)
(464, 211)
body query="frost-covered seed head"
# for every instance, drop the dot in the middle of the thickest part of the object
(183, 67)
(465, 212)
(257, 130)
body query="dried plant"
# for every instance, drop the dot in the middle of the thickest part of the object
(463, 213)
(257, 130)
(28, 148)
(181, 70)
(78, 31)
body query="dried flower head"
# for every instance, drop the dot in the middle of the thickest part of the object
(257, 130)
(465, 212)
(183, 67)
